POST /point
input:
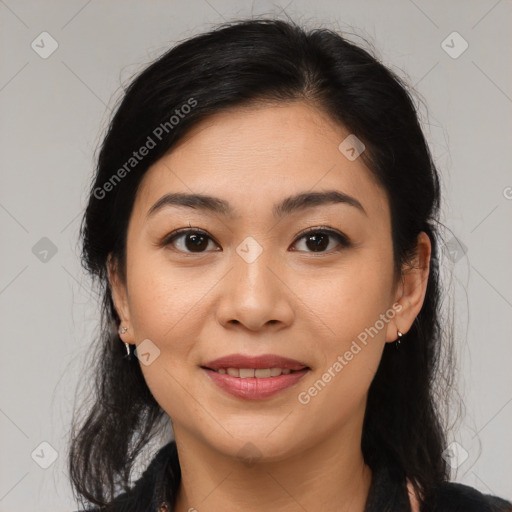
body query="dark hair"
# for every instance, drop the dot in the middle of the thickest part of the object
(250, 62)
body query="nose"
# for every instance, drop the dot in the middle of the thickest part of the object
(255, 294)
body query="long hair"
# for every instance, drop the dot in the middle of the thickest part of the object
(236, 64)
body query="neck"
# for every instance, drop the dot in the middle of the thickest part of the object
(330, 476)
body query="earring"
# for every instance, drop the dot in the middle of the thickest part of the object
(128, 355)
(397, 341)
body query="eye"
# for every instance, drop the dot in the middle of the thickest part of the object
(189, 240)
(198, 241)
(318, 239)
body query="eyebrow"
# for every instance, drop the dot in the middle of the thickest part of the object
(287, 206)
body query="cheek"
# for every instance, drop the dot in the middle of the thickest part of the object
(166, 307)
(350, 299)
(354, 311)
(164, 299)
(354, 307)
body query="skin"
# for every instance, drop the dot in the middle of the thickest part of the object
(291, 301)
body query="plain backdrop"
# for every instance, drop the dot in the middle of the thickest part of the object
(54, 109)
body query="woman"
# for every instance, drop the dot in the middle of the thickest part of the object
(263, 223)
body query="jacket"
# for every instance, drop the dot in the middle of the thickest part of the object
(388, 491)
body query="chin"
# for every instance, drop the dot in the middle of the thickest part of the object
(251, 446)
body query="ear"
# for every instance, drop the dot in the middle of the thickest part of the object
(120, 297)
(412, 289)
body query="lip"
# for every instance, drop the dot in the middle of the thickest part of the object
(263, 361)
(254, 388)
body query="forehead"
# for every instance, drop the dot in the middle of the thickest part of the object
(258, 154)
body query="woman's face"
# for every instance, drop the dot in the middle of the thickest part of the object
(252, 283)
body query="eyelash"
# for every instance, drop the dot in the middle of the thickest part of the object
(342, 239)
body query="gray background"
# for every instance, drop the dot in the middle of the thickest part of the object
(54, 111)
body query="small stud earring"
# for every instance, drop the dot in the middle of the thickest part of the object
(123, 330)
(397, 341)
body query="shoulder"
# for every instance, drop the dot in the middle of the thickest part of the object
(149, 488)
(455, 497)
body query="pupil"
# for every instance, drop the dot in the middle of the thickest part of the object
(198, 241)
(318, 240)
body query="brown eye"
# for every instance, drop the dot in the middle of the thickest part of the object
(316, 240)
(320, 240)
(189, 240)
